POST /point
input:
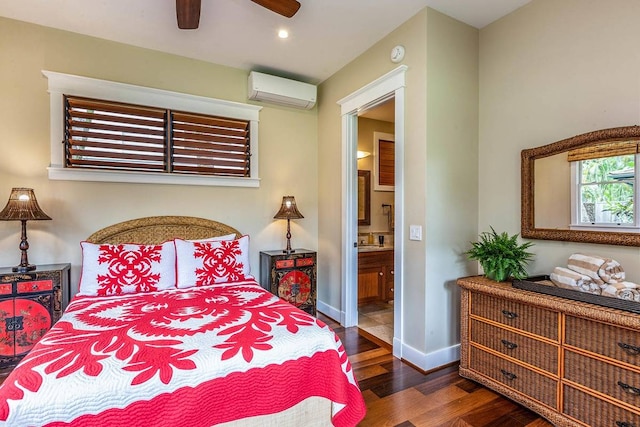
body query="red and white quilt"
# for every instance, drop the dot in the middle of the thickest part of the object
(180, 357)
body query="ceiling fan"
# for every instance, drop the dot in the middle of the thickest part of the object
(188, 11)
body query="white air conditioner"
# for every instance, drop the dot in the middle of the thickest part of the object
(278, 90)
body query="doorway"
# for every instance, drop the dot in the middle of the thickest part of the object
(390, 85)
(376, 202)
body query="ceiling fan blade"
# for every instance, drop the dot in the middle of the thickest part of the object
(286, 8)
(188, 14)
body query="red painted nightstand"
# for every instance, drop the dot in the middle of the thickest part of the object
(291, 276)
(30, 303)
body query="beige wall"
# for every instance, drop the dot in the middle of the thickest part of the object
(288, 148)
(452, 170)
(552, 70)
(439, 172)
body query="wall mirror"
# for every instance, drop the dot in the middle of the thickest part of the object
(364, 197)
(548, 211)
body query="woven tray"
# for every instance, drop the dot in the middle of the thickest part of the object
(544, 285)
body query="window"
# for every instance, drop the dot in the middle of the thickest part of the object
(114, 136)
(384, 161)
(122, 133)
(606, 186)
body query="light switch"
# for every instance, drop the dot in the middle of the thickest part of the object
(415, 232)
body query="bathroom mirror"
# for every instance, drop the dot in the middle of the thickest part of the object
(546, 188)
(364, 197)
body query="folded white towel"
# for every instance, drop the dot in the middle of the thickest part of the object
(623, 290)
(601, 269)
(611, 271)
(569, 279)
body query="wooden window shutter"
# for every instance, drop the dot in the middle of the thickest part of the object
(608, 149)
(208, 145)
(113, 136)
(386, 162)
(116, 136)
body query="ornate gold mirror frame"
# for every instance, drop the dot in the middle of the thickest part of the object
(528, 158)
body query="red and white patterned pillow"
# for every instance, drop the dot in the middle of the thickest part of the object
(212, 262)
(127, 268)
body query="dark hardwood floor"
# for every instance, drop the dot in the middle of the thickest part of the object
(399, 395)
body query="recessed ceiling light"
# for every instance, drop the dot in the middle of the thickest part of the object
(283, 34)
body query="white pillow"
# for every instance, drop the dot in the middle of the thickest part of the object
(127, 268)
(212, 262)
(231, 236)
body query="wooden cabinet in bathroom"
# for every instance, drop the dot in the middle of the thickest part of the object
(375, 276)
(389, 280)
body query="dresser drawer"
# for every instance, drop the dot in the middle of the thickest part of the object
(528, 318)
(595, 412)
(613, 341)
(285, 263)
(34, 286)
(528, 350)
(614, 381)
(532, 384)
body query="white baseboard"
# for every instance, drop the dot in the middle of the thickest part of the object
(424, 361)
(329, 311)
(429, 361)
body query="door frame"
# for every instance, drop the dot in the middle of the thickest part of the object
(385, 87)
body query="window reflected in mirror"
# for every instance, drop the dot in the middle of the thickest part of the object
(606, 191)
(584, 188)
(583, 192)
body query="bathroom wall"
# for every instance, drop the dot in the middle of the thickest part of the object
(379, 217)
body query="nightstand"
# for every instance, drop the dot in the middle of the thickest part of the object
(30, 303)
(291, 276)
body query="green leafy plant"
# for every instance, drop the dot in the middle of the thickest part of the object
(622, 211)
(608, 182)
(500, 255)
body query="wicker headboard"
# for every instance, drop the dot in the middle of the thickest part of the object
(158, 229)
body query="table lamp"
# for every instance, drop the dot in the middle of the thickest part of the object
(23, 206)
(288, 210)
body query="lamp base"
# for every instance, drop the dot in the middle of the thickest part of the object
(288, 251)
(23, 268)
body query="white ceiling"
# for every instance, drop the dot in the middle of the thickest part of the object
(325, 34)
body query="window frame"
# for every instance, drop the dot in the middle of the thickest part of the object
(377, 173)
(60, 84)
(576, 186)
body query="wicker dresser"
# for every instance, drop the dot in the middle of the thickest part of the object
(574, 363)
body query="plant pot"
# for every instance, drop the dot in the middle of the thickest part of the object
(498, 276)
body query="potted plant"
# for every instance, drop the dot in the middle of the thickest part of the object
(500, 256)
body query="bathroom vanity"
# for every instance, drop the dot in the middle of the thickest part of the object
(375, 274)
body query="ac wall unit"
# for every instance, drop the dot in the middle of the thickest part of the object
(278, 90)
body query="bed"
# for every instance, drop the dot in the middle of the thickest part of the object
(213, 348)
